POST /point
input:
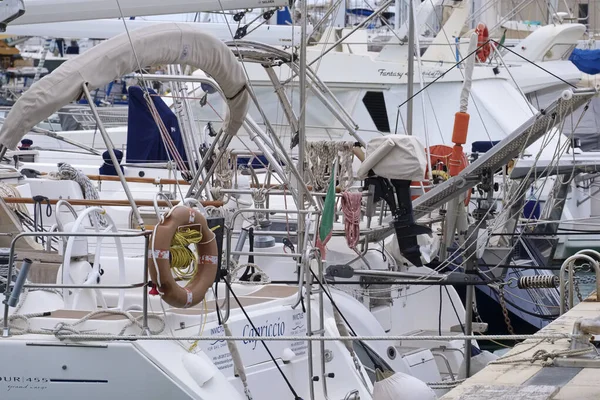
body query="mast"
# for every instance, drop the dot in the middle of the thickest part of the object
(411, 75)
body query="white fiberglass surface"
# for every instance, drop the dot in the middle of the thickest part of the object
(495, 107)
(320, 122)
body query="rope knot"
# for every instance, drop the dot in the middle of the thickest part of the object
(542, 355)
(62, 329)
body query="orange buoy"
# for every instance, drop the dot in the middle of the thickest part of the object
(461, 128)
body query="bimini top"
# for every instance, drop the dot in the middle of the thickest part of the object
(169, 43)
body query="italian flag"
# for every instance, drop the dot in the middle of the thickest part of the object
(503, 38)
(326, 225)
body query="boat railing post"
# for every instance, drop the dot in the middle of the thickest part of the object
(145, 329)
(596, 255)
(569, 266)
(321, 330)
(308, 293)
(53, 228)
(11, 260)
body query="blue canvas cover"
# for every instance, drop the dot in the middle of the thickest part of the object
(284, 17)
(587, 61)
(144, 143)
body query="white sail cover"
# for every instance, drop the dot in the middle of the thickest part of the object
(274, 35)
(394, 157)
(45, 11)
(169, 43)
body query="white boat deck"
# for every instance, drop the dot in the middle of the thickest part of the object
(525, 380)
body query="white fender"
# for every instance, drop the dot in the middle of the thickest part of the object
(402, 386)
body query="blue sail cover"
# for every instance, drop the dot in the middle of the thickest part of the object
(284, 17)
(587, 61)
(144, 143)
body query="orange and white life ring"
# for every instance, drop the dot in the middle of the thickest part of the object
(159, 258)
(483, 43)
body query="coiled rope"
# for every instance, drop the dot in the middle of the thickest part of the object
(184, 261)
(63, 329)
(321, 157)
(7, 190)
(351, 202)
(69, 173)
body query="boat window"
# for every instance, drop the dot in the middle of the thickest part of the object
(560, 51)
(369, 359)
(583, 11)
(375, 103)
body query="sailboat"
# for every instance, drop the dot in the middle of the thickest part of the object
(206, 368)
(132, 65)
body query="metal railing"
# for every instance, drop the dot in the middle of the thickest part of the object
(234, 254)
(11, 261)
(569, 264)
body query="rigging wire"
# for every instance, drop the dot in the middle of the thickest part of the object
(152, 109)
(533, 63)
(443, 265)
(285, 378)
